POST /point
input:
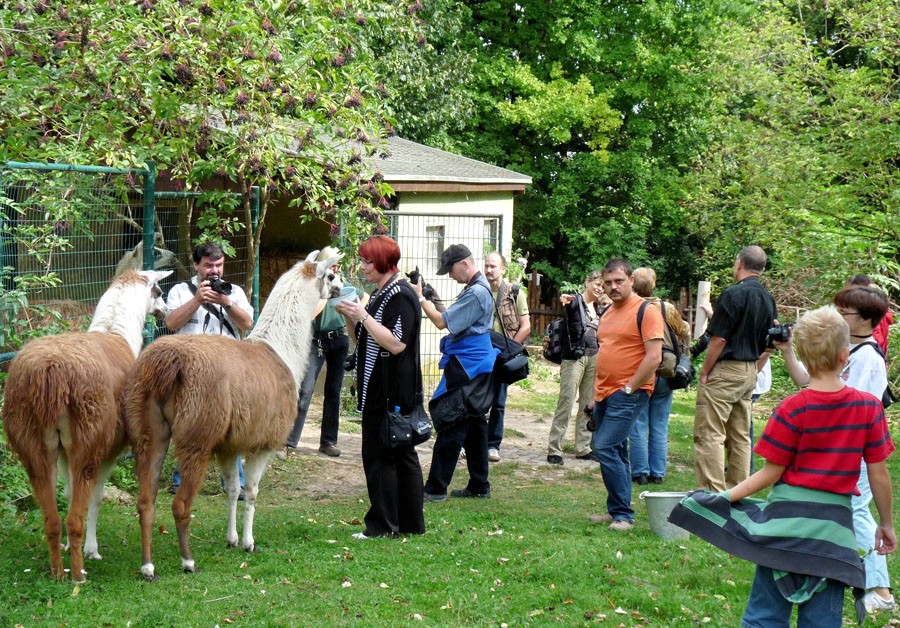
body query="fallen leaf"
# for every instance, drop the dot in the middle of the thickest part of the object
(619, 554)
(418, 617)
(384, 585)
(502, 560)
(620, 611)
(162, 530)
(76, 590)
(552, 587)
(536, 613)
(243, 565)
(227, 620)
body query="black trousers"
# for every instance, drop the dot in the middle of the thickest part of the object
(471, 433)
(394, 482)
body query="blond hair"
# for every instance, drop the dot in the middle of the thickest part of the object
(644, 281)
(820, 336)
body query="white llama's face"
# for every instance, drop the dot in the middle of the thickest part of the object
(156, 305)
(331, 281)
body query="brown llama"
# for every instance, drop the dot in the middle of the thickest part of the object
(62, 409)
(216, 396)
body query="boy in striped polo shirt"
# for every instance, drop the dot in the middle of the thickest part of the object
(801, 537)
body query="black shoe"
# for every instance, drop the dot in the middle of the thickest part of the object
(639, 479)
(467, 493)
(589, 456)
(434, 497)
(554, 459)
(656, 480)
(173, 489)
(242, 495)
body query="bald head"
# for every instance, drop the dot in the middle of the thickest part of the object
(494, 269)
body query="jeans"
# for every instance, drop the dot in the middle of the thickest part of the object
(650, 436)
(615, 417)
(864, 527)
(495, 418)
(330, 352)
(767, 608)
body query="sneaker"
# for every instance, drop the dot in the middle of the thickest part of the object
(493, 455)
(434, 497)
(282, 453)
(330, 450)
(554, 459)
(242, 495)
(360, 536)
(874, 602)
(621, 526)
(604, 518)
(589, 456)
(173, 489)
(464, 492)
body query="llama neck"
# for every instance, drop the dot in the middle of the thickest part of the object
(285, 323)
(118, 313)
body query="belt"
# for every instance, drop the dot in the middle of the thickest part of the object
(330, 335)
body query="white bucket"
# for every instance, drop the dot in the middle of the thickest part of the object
(659, 506)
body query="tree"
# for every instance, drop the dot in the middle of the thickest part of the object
(604, 105)
(265, 93)
(805, 157)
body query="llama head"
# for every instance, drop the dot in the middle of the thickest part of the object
(329, 282)
(156, 305)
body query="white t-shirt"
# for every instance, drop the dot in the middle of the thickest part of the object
(866, 371)
(203, 321)
(764, 379)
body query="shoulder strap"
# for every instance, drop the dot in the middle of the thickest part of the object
(872, 344)
(514, 291)
(640, 318)
(217, 312)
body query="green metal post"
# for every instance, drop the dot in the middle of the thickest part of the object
(149, 209)
(255, 217)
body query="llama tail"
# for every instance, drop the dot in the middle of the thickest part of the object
(35, 398)
(155, 377)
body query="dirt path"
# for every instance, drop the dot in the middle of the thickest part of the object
(308, 472)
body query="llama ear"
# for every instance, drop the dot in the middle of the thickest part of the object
(155, 276)
(311, 258)
(323, 266)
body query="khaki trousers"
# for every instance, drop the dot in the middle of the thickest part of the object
(576, 377)
(722, 421)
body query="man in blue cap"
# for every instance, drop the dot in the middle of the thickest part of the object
(465, 392)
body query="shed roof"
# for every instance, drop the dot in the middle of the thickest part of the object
(409, 166)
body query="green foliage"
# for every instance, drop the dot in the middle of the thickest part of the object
(803, 160)
(267, 94)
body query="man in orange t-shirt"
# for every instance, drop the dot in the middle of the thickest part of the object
(626, 369)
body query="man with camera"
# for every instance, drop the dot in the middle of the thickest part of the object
(578, 367)
(208, 305)
(514, 322)
(738, 329)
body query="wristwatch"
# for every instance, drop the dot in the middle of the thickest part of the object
(628, 390)
(228, 305)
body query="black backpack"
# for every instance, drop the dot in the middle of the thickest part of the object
(887, 397)
(553, 342)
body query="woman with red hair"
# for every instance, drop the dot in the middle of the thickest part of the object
(388, 323)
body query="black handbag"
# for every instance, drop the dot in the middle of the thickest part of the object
(512, 363)
(684, 373)
(403, 430)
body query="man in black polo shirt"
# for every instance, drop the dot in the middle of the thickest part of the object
(738, 328)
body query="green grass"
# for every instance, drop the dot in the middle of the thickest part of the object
(526, 557)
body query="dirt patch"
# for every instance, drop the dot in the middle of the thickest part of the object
(310, 473)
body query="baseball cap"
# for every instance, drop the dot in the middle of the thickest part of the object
(453, 254)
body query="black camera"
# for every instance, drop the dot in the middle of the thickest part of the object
(779, 333)
(220, 286)
(427, 290)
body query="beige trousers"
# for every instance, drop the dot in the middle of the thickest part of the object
(722, 421)
(576, 377)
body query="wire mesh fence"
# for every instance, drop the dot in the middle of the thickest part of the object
(67, 230)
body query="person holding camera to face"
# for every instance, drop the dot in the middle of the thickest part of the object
(738, 329)
(577, 369)
(207, 304)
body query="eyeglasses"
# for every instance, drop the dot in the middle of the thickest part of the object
(363, 260)
(848, 313)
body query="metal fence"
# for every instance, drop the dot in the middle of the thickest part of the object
(65, 230)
